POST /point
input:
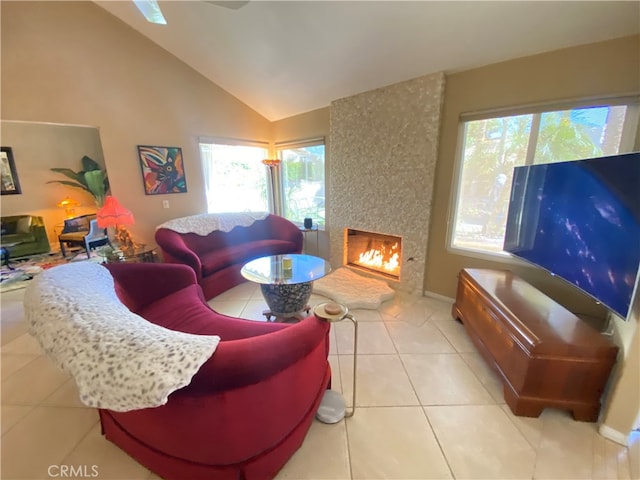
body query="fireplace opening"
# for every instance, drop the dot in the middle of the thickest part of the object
(373, 252)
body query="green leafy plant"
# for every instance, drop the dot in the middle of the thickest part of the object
(91, 179)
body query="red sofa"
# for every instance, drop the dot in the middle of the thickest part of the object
(218, 257)
(246, 410)
(249, 406)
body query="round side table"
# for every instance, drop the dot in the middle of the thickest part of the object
(333, 407)
(286, 282)
(305, 231)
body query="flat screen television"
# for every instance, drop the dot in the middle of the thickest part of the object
(580, 221)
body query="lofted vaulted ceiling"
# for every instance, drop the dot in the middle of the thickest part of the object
(288, 57)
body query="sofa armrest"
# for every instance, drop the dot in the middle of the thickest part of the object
(140, 284)
(239, 363)
(283, 229)
(39, 231)
(177, 251)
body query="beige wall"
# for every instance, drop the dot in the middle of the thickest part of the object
(622, 409)
(37, 147)
(313, 124)
(74, 63)
(602, 69)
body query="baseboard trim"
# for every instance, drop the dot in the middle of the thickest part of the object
(613, 435)
(437, 296)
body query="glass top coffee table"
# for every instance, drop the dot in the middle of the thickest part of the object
(285, 282)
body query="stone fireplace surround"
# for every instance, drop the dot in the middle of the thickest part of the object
(382, 158)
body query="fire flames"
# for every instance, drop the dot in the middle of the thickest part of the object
(382, 259)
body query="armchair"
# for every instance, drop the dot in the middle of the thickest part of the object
(83, 231)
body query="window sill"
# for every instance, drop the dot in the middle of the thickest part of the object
(500, 257)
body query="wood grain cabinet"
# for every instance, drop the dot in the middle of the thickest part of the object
(545, 355)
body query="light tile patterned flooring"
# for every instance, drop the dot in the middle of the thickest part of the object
(427, 408)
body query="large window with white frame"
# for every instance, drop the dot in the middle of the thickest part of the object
(303, 180)
(236, 179)
(234, 176)
(491, 146)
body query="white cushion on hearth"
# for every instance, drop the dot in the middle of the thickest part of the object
(353, 290)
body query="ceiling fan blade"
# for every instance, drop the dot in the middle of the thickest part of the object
(233, 4)
(151, 11)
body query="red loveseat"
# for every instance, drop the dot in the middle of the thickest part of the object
(218, 256)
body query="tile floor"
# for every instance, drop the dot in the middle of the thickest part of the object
(427, 408)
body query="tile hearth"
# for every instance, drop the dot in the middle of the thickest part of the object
(427, 408)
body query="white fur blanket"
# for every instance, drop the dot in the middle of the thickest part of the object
(353, 290)
(206, 223)
(119, 360)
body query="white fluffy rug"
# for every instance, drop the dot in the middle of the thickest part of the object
(355, 291)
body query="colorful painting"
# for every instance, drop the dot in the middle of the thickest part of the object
(8, 173)
(162, 170)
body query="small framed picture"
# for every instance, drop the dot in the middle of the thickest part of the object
(9, 174)
(162, 169)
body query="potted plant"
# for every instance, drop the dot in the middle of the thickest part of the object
(91, 179)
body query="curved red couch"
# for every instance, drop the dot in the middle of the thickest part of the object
(246, 410)
(218, 257)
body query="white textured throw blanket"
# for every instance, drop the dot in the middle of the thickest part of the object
(119, 360)
(353, 290)
(206, 223)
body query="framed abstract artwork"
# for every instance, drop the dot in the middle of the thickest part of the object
(8, 173)
(162, 169)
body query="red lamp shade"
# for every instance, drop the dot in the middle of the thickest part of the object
(112, 214)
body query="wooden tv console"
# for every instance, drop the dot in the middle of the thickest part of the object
(546, 356)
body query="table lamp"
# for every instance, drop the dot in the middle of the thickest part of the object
(114, 217)
(69, 205)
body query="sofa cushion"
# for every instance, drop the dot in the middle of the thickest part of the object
(23, 224)
(73, 236)
(181, 310)
(18, 238)
(184, 311)
(216, 260)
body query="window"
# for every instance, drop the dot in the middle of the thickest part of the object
(236, 180)
(235, 177)
(491, 147)
(303, 186)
